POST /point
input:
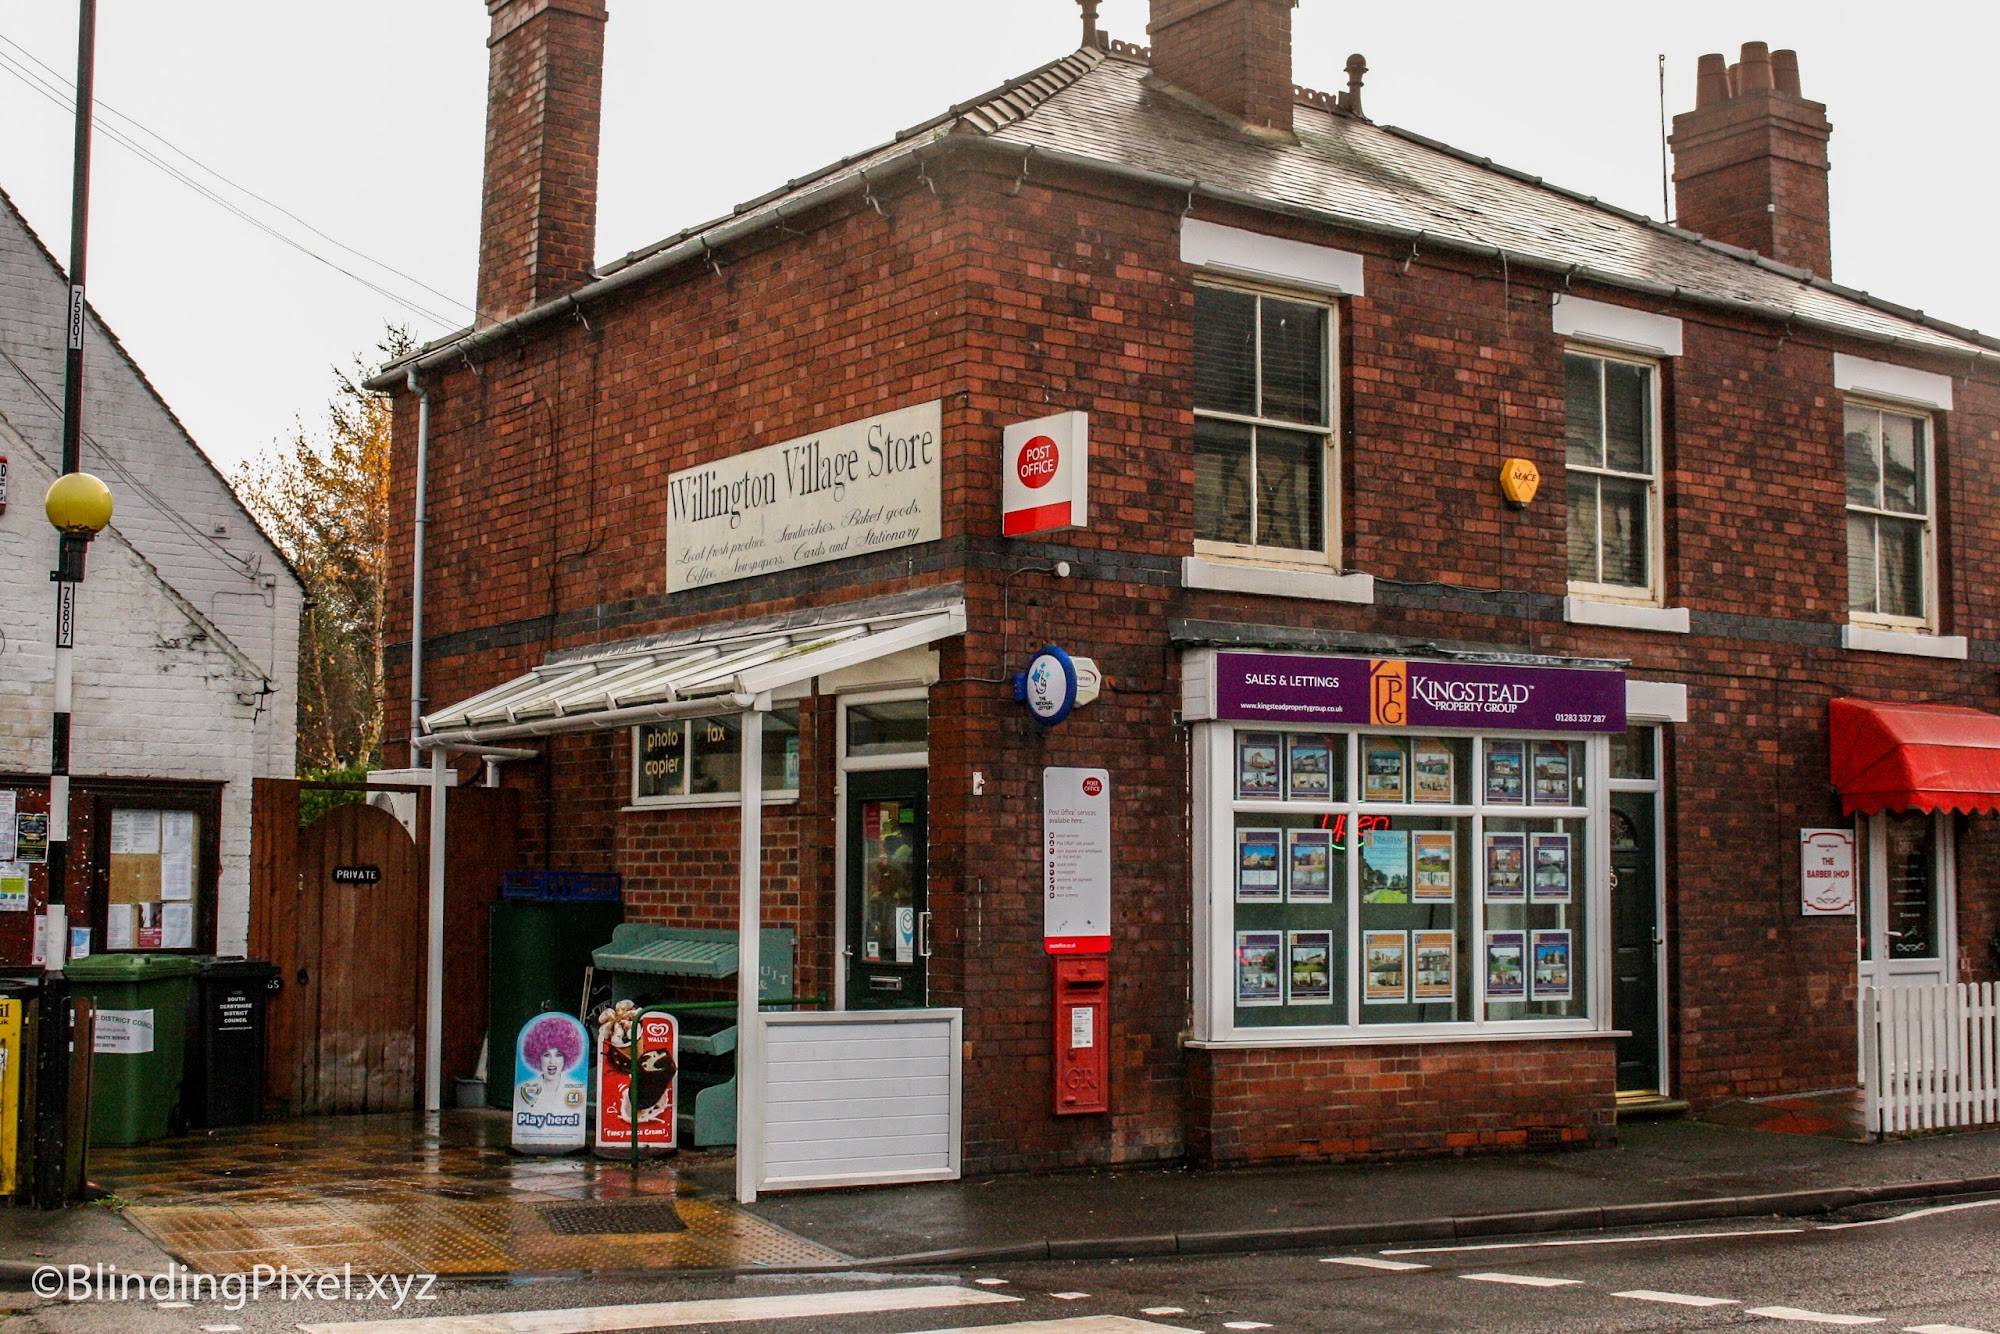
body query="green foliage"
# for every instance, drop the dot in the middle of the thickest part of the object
(324, 498)
(317, 801)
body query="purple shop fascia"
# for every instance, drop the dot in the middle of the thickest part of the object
(1444, 765)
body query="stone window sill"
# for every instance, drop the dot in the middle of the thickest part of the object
(1278, 581)
(1625, 615)
(1910, 643)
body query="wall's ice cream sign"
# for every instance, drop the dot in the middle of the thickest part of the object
(1404, 692)
(870, 485)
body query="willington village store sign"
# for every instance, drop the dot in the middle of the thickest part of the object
(870, 485)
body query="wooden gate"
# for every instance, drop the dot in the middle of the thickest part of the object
(338, 906)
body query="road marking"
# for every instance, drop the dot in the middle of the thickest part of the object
(1674, 1298)
(1369, 1262)
(1592, 1241)
(989, 1282)
(1942, 1329)
(1173, 1310)
(1244, 1324)
(1914, 1213)
(661, 1315)
(1085, 1324)
(1524, 1280)
(1069, 1296)
(1821, 1317)
(222, 1329)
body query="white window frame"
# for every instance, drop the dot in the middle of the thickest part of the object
(1652, 595)
(843, 765)
(1928, 622)
(696, 800)
(1330, 511)
(1215, 811)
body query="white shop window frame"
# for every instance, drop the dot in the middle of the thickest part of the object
(699, 800)
(1327, 559)
(1213, 755)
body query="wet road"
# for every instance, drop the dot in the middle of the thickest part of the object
(1934, 1270)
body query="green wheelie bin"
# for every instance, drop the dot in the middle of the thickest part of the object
(142, 1005)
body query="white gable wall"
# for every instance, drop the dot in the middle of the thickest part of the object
(172, 505)
(159, 691)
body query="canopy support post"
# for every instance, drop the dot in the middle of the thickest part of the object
(750, 893)
(434, 971)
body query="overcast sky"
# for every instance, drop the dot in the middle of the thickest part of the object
(365, 119)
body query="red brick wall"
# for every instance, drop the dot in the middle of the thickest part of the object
(1344, 1103)
(549, 463)
(1751, 171)
(545, 89)
(1236, 55)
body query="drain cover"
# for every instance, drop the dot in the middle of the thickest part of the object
(589, 1220)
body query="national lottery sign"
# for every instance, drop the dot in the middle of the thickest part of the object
(1284, 688)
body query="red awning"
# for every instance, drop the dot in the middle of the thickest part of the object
(1914, 757)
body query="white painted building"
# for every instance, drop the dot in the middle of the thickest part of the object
(187, 639)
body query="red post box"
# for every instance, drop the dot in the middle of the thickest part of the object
(1082, 1035)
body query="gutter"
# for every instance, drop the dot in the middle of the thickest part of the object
(422, 522)
(701, 245)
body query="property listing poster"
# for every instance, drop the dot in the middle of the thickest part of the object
(1506, 862)
(1551, 873)
(1431, 771)
(1308, 767)
(1309, 865)
(1550, 977)
(1385, 866)
(1310, 979)
(1436, 954)
(1385, 956)
(1503, 773)
(1259, 878)
(1432, 851)
(1258, 980)
(1257, 774)
(1506, 977)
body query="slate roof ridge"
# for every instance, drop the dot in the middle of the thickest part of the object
(999, 106)
(1806, 277)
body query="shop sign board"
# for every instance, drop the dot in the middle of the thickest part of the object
(551, 1084)
(1045, 475)
(1076, 861)
(1279, 688)
(1826, 873)
(865, 486)
(638, 1064)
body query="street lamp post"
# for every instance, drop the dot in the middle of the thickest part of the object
(79, 506)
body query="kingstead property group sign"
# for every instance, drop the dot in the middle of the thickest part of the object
(870, 485)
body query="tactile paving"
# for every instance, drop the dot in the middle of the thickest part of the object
(439, 1195)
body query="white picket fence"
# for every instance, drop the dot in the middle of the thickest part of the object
(1935, 1057)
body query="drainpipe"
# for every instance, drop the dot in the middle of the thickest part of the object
(417, 562)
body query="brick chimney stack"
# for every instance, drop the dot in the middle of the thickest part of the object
(1750, 160)
(1235, 55)
(544, 98)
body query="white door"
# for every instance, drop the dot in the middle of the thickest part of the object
(1908, 903)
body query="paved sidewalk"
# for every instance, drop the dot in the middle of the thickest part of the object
(1661, 1171)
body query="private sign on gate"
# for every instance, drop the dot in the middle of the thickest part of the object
(1045, 475)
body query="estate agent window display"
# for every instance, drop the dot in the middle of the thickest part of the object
(1366, 885)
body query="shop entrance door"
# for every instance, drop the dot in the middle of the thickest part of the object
(1635, 941)
(1908, 901)
(888, 919)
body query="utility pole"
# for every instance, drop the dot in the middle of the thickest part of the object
(79, 506)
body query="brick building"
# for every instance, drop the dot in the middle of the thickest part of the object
(1378, 740)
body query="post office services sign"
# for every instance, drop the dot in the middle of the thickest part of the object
(869, 485)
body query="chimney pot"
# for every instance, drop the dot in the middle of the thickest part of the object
(1785, 70)
(1755, 63)
(1750, 161)
(1711, 81)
